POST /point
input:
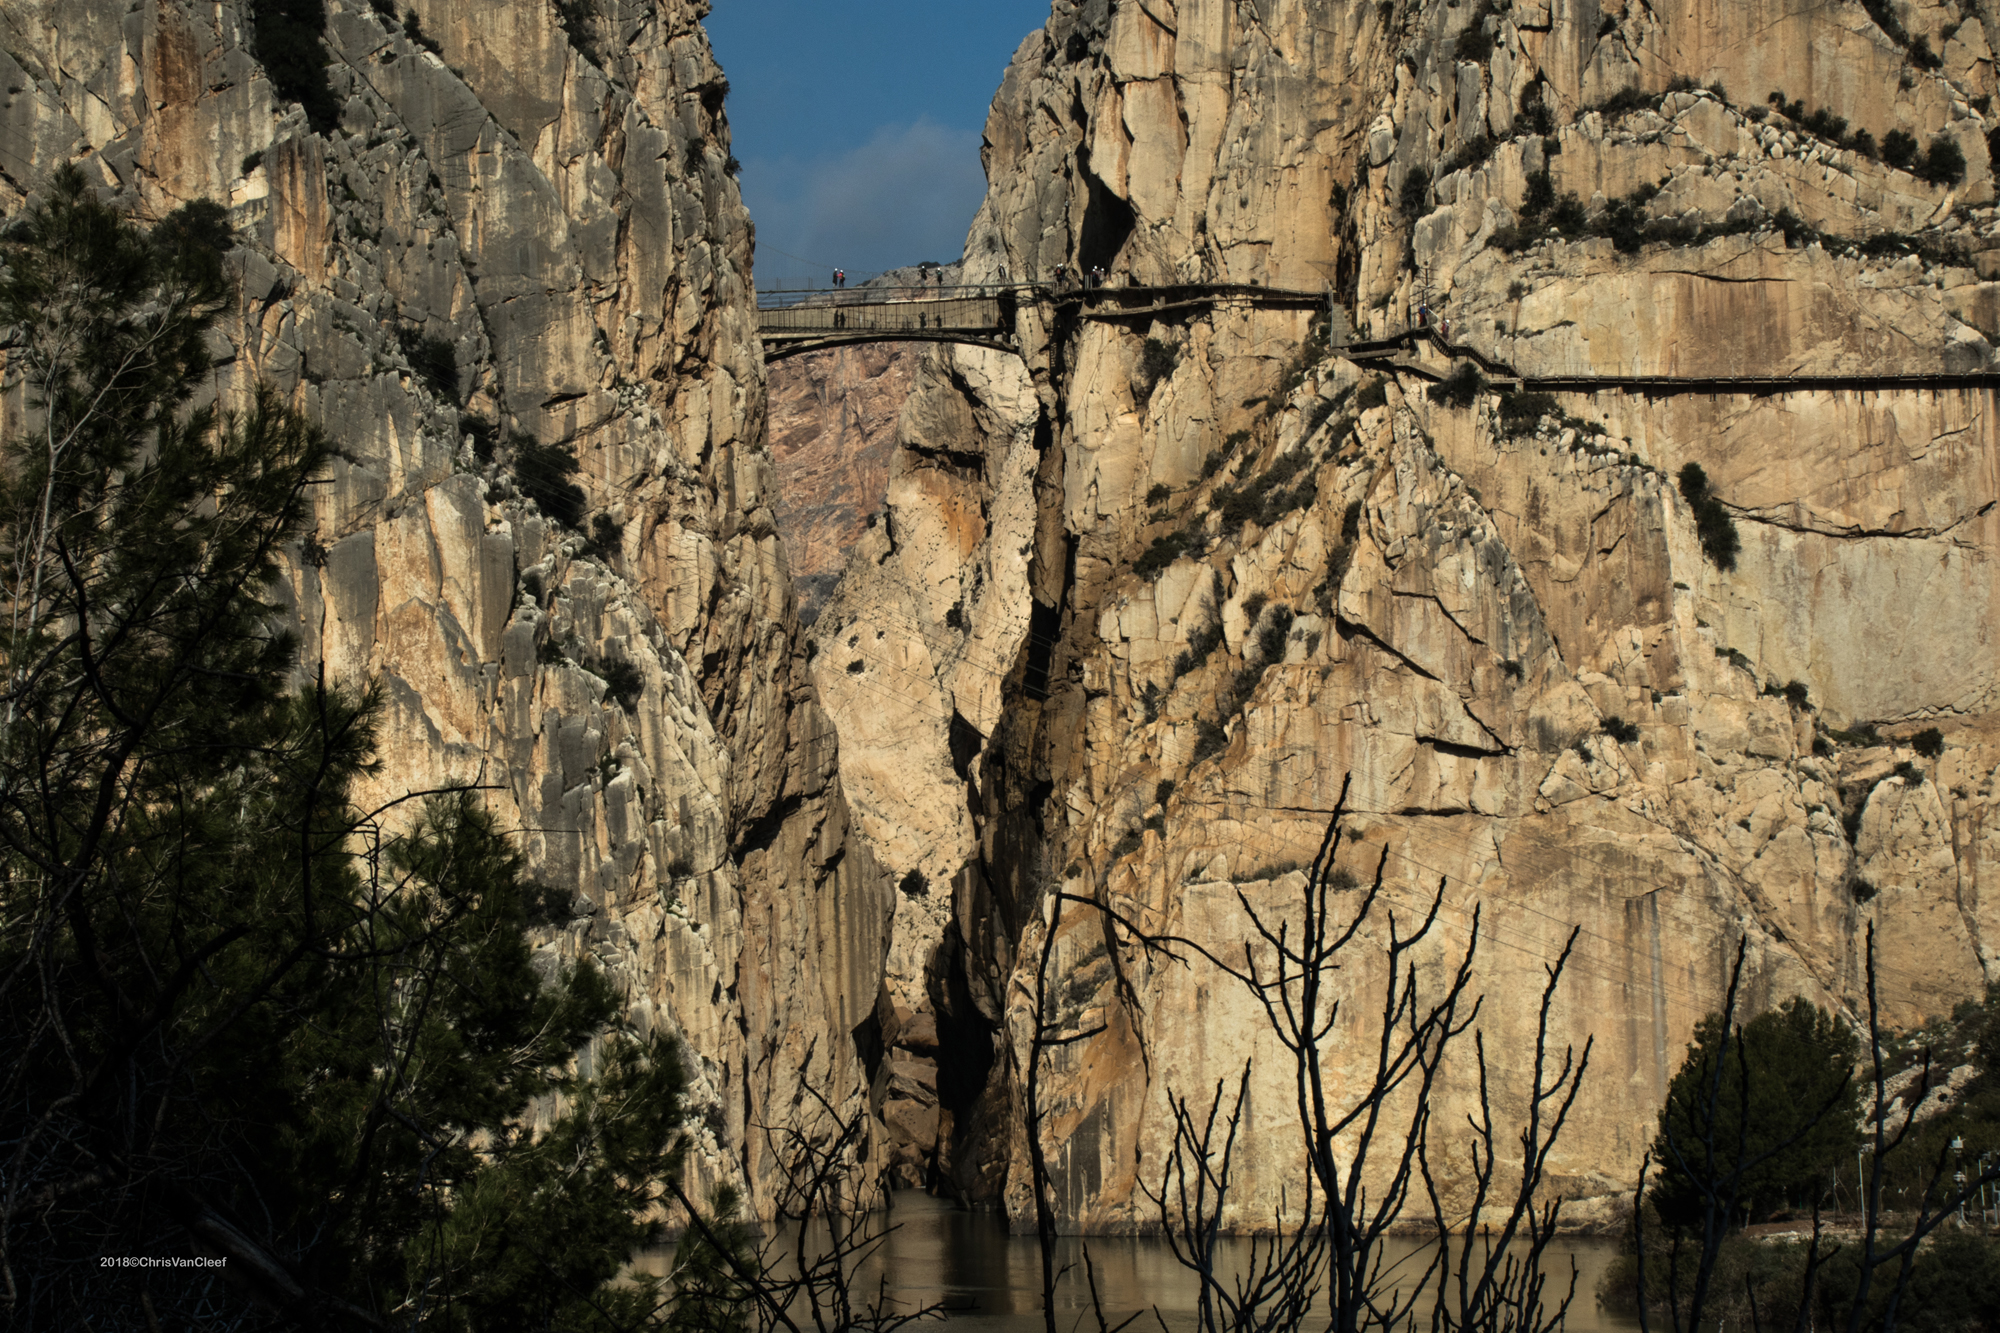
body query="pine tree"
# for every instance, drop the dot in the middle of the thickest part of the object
(240, 1020)
(1762, 1117)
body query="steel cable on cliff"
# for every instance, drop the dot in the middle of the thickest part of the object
(1515, 833)
(1623, 975)
(1413, 832)
(1495, 932)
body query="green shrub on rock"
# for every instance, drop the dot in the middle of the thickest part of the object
(543, 472)
(1523, 411)
(1461, 388)
(1944, 162)
(1899, 149)
(1415, 193)
(1717, 530)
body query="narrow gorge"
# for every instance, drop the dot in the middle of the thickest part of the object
(1117, 616)
(1148, 594)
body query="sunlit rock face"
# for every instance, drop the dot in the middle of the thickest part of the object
(833, 428)
(1506, 633)
(551, 205)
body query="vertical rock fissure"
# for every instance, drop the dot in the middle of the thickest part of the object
(1161, 615)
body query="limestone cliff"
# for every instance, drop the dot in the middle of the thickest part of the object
(1146, 594)
(832, 428)
(498, 232)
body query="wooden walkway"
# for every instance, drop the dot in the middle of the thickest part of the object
(1399, 351)
(791, 323)
(810, 326)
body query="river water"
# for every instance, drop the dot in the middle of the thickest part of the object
(990, 1282)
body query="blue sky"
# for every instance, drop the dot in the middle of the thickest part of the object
(858, 121)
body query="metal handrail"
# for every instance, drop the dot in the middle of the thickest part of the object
(972, 314)
(779, 298)
(789, 298)
(1563, 382)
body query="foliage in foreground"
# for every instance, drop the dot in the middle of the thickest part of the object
(1781, 1124)
(1794, 1119)
(242, 1019)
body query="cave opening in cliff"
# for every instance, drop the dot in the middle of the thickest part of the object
(1044, 623)
(1106, 224)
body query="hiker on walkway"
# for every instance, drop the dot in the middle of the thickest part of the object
(840, 277)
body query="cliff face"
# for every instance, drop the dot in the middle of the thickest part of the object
(541, 192)
(832, 429)
(1504, 629)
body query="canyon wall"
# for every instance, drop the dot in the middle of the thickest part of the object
(500, 230)
(832, 428)
(1145, 596)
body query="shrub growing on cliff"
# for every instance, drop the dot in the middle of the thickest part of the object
(607, 537)
(1273, 632)
(1414, 196)
(434, 360)
(1568, 217)
(1623, 220)
(1535, 115)
(413, 28)
(1475, 43)
(1201, 644)
(1165, 550)
(544, 472)
(1899, 149)
(1157, 360)
(1626, 99)
(1459, 389)
(1474, 152)
(1944, 162)
(1265, 499)
(1712, 522)
(575, 16)
(1524, 411)
(1542, 211)
(485, 435)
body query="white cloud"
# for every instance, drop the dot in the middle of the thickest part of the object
(906, 195)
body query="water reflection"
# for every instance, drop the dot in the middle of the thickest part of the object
(990, 1282)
